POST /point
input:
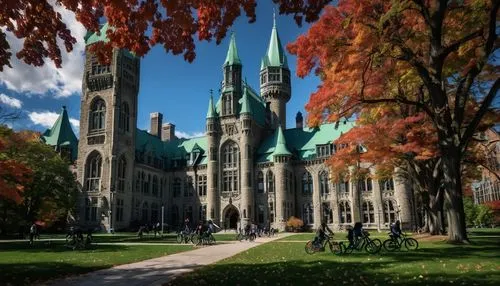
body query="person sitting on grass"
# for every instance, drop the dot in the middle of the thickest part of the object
(396, 230)
(321, 233)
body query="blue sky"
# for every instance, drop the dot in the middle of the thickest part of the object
(178, 89)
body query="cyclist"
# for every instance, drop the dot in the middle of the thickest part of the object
(321, 233)
(354, 233)
(186, 226)
(396, 230)
(247, 229)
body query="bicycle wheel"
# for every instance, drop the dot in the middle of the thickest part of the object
(239, 237)
(211, 240)
(309, 248)
(195, 239)
(373, 246)
(411, 244)
(180, 238)
(335, 247)
(390, 245)
(252, 237)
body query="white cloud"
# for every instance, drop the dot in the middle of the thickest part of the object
(182, 134)
(47, 119)
(61, 82)
(10, 101)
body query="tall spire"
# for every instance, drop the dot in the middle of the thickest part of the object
(232, 53)
(275, 56)
(280, 149)
(245, 102)
(61, 134)
(211, 108)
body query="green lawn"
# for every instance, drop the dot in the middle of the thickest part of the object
(286, 263)
(22, 264)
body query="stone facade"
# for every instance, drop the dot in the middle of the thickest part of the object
(247, 167)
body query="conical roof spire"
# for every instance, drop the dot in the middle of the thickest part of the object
(232, 53)
(280, 149)
(275, 56)
(211, 108)
(61, 134)
(245, 102)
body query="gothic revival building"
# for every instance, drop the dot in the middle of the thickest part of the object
(247, 167)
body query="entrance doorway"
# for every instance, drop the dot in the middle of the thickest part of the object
(232, 217)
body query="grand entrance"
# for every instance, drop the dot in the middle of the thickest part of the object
(231, 217)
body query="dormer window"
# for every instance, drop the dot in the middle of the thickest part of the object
(324, 150)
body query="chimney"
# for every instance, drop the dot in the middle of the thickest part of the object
(167, 132)
(299, 120)
(156, 120)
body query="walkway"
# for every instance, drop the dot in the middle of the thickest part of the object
(161, 270)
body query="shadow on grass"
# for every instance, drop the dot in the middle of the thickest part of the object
(57, 246)
(322, 272)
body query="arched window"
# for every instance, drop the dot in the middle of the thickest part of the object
(138, 183)
(308, 213)
(323, 183)
(145, 212)
(368, 212)
(146, 181)
(154, 213)
(177, 187)
(154, 191)
(124, 117)
(386, 185)
(344, 186)
(270, 182)
(93, 170)
(175, 215)
(389, 212)
(345, 212)
(228, 104)
(122, 172)
(327, 213)
(307, 184)
(230, 167)
(97, 118)
(260, 182)
(369, 186)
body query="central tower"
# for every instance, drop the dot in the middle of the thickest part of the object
(275, 80)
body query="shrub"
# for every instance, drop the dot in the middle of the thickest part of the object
(294, 223)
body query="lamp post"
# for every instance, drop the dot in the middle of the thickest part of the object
(162, 217)
(110, 211)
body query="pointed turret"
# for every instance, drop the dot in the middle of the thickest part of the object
(232, 57)
(61, 135)
(275, 86)
(280, 149)
(275, 56)
(245, 102)
(211, 108)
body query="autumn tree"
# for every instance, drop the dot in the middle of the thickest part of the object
(362, 49)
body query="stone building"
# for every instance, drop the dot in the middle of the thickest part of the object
(247, 167)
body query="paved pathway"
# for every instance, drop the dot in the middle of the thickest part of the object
(158, 271)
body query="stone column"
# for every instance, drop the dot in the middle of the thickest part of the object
(316, 198)
(247, 210)
(212, 173)
(280, 173)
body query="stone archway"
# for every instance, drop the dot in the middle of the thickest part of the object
(231, 217)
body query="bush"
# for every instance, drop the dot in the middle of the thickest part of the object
(294, 224)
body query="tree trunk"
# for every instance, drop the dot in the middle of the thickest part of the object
(457, 232)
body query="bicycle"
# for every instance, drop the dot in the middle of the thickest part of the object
(184, 237)
(334, 246)
(203, 239)
(395, 243)
(371, 246)
(243, 236)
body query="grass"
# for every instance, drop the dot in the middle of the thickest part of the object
(22, 264)
(286, 263)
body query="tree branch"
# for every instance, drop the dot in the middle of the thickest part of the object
(471, 128)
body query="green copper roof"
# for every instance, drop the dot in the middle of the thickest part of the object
(61, 134)
(211, 113)
(94, 38)
(232, 53)
(280, 147)
(245, 102)
(302, 142)
(257, 105)
(275, 56)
